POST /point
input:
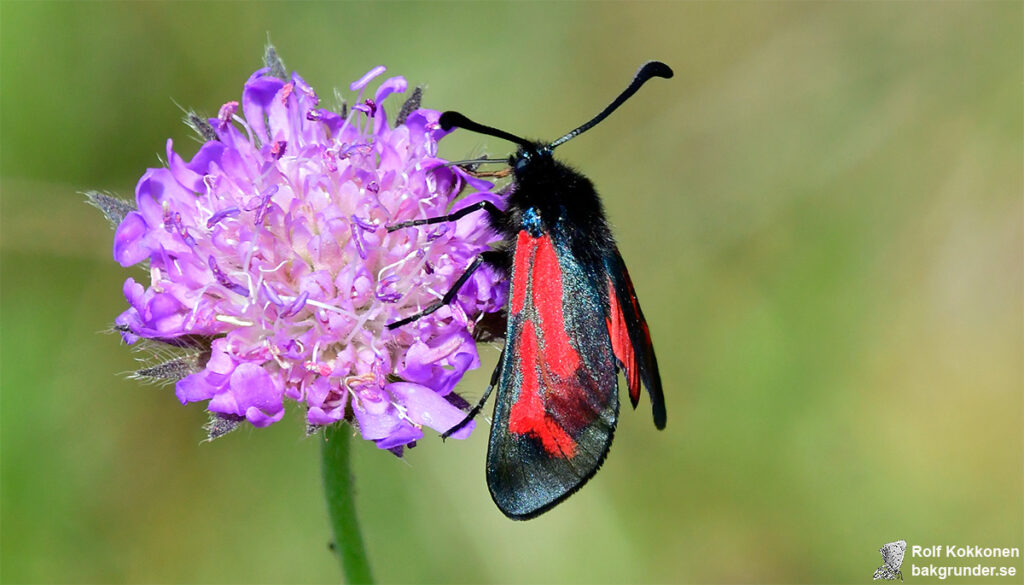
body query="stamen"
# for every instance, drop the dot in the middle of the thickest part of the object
(224, 281)
(222, 214)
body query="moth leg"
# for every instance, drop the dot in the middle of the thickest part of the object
(480, 404)
(491, 209)
(490, 257)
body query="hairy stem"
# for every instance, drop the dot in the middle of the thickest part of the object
(339, 488)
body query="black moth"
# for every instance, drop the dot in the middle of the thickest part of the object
(573, 323)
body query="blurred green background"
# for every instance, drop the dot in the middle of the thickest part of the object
(822, 214)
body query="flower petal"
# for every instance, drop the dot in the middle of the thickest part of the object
(427, 408)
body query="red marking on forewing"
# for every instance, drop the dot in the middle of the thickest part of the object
(622, 347)
(548, 300)
(636, 309)
(528, 415)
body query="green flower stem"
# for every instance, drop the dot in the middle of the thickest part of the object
(341, 506)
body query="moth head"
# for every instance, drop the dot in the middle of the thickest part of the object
(529, 155)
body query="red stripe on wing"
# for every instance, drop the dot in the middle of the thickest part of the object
(528, 415)
(622, 347)
(633, 349)
(547, 298)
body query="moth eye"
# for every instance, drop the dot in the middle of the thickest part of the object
(522, 161)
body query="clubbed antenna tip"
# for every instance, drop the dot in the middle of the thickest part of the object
(647, 71)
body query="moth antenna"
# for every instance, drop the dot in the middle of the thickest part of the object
(451, 120)
(646, 72)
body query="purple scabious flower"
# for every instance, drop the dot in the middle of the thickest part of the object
(269, 260)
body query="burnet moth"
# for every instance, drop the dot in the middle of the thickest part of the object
(573, 323)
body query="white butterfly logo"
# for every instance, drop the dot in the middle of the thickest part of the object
(892, 558)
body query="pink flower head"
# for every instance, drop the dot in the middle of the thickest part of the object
(270, 248)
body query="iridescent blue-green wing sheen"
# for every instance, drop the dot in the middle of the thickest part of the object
(557, 401)
(631, 339)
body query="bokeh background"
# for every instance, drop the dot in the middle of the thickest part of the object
(822, 214)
